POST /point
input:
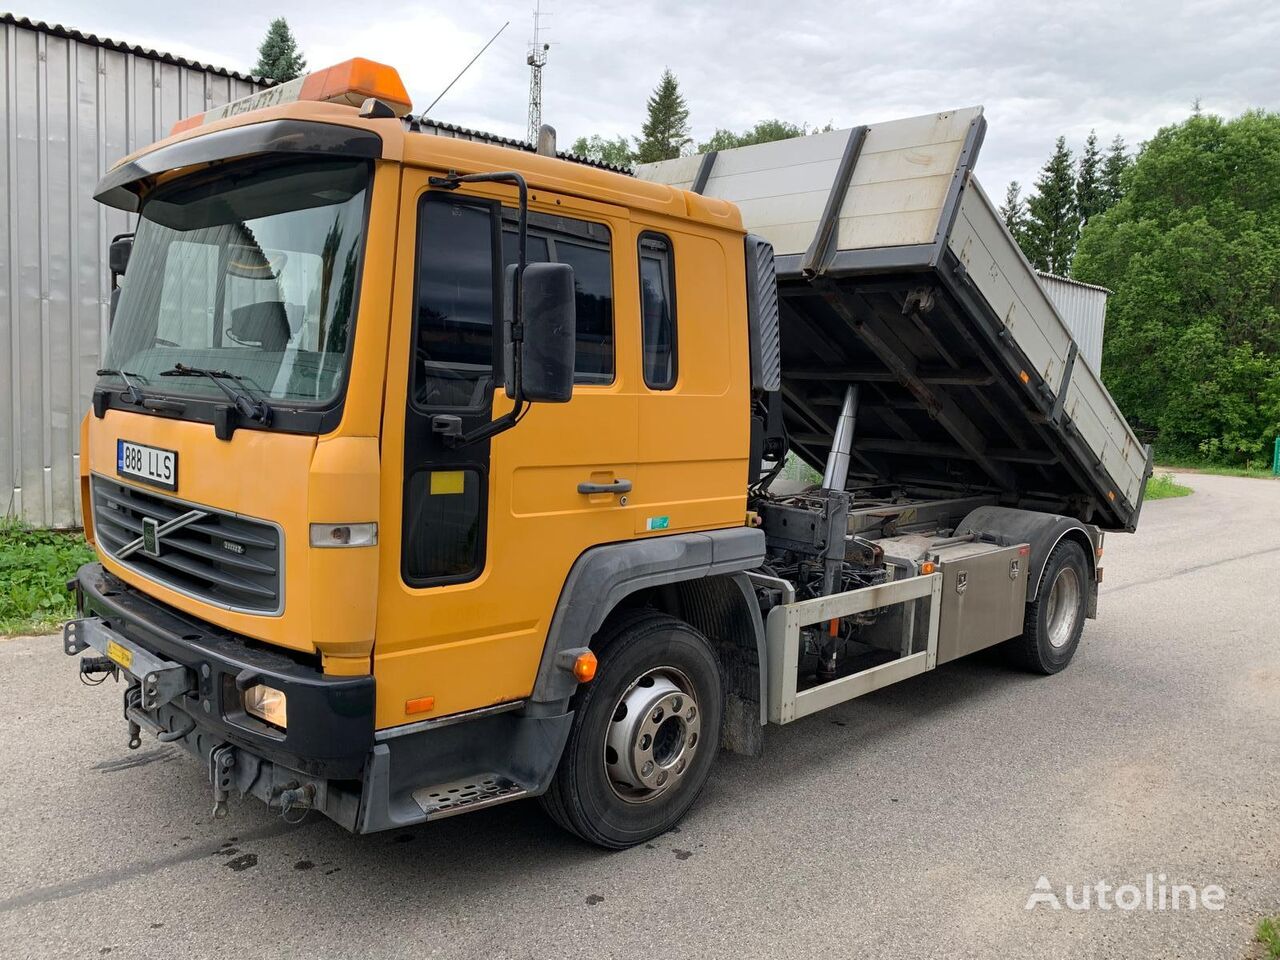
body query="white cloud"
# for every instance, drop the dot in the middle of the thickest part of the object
(1040, 68)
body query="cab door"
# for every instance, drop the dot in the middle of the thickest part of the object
(477, 539)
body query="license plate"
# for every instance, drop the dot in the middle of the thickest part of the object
(148, 464)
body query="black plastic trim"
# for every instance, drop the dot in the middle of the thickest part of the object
(331, 718)
(125, 186)
(704, 172)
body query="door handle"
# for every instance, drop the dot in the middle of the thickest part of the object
(618, 486)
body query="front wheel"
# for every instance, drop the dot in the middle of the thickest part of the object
(645, 732)
(1055, 619)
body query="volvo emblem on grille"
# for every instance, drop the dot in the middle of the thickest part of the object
(151, 536)
(232, 547)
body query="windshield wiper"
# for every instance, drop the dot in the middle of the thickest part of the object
(131, 389)
(255, 408)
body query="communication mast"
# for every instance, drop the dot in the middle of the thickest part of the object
(537, 59)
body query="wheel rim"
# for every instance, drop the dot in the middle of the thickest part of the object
(1064, 607)
(653, 735)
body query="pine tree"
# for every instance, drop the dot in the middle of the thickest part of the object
(1090, 200)
(666, 131)
(1014, 210)
(279, 58)
(1113, 168)
(1053, 224)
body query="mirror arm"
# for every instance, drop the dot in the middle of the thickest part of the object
(510, 419)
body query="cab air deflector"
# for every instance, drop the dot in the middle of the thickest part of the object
(123, 187)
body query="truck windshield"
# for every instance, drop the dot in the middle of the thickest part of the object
(251, 271)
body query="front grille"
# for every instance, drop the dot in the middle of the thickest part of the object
(220, 558)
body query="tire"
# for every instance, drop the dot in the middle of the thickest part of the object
(649, 663)
(1055, 619)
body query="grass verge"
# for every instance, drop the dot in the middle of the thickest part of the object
(1162, 486)
(1268, 935)
(1263, 473)
(35, 566)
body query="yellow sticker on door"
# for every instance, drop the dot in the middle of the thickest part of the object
(447, 481)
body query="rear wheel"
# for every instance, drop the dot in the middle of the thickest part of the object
(645, 732)
(1055, 619)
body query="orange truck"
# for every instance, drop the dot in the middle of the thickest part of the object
(426, 474)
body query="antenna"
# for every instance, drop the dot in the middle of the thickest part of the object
(465, 69)
(537, 59)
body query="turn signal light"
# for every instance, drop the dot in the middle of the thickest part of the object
(584, 668)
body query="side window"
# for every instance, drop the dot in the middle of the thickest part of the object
(453, 341)
(584, 246)
(658, 311)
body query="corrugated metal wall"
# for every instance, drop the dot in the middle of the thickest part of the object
(1084, 308)
(69, 108)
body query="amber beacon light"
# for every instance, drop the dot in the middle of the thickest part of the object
(350, 82)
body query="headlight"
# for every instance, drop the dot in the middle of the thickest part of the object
(266, 703)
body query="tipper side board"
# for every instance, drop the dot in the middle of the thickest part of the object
(896, 273)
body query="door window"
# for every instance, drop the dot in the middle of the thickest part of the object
(585, 246)
(453, 355)
(658, 311)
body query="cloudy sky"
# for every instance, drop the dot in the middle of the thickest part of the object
(1041, 69)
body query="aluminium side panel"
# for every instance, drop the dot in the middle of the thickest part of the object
(895, 196)
(1011, 288)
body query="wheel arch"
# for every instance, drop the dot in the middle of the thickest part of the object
(1041, 531)
(697, 577)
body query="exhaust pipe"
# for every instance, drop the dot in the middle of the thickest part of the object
(837, 472)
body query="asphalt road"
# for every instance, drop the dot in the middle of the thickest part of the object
(913, 822)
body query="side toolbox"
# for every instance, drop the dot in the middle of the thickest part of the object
(984, 596)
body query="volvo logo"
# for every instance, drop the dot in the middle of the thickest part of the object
(153, 530)
(151, 536)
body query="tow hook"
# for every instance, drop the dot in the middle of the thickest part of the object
(222, 765)
(297, 798)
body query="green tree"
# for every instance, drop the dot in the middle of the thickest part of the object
(616, 152)
(1090, 199)
(278, 56)
(1053, 224)
(1113, 168)
(1014, 210)
(665, 133)
(766, 131)
(1192, 253)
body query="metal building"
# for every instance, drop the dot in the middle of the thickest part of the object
(1084, 307)
(71, 104)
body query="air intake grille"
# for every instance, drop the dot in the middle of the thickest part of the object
(216, 557)
(762, 315)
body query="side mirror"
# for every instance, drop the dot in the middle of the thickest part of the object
(548, 309)
(118, 256)
(118, 260)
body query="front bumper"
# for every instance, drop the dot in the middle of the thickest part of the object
(185, 682)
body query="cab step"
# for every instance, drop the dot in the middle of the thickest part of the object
(471, 793)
